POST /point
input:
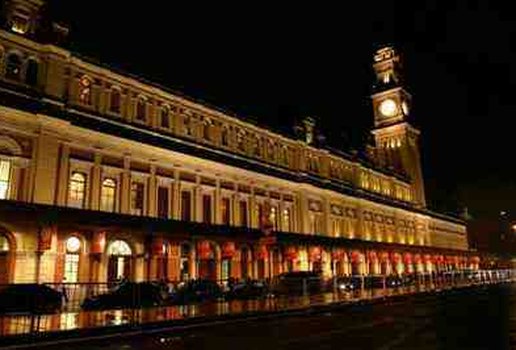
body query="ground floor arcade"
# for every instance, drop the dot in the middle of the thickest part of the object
(40, 244)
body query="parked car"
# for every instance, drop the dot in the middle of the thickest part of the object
(248, 289)
(34, 298)
(196, 291)
(128, 295)
(299, 282)
(393, 281)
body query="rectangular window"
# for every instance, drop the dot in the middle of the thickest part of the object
(5, 172)
(336, 227)
(186, 206)
(137, 189)
(286, 220)
(206, 208)
(107, 195)
(273, 217)
(226, 211)
(77, 190)
(243, 213)
(71, 270)
(163, 202)
(165, 119)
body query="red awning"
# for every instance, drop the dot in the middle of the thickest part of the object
(228, 250)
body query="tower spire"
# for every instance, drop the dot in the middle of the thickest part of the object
(395, 138)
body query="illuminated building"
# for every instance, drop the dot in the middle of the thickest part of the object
(104, 175)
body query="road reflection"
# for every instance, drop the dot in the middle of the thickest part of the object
(29, 324)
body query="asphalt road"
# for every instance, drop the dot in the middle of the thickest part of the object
(479, 318)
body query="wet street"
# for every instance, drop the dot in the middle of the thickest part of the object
(473, 318)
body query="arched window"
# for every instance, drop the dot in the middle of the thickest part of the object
(4, 244)
(225, 136)
(31, 72)
(141, 107)
(77, 190)
(240, 140)
(85, 90)
(13, 67)
(206, 130)
(71, 267)
(114, 101)
(187, 125)
(5, 175)
(271, 150)
(119, 248)
(165, 117)
(107, 195)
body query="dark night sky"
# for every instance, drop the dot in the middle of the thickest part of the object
(275, 63)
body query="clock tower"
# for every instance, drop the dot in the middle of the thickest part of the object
(396, 140)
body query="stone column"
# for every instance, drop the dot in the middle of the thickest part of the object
(14, 180)
(302, 213)
(217, 203)
(152, 193)
(281, 207)
(125, 188)
(96, 180)
(327, 227)
(234, 207)
(253, 222)
(176, 208)
(197, 200)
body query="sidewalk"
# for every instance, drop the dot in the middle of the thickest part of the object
(33, 328)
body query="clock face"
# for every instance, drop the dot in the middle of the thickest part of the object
(405, 107)
(388, 108)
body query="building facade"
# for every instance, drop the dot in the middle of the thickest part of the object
(104, 175)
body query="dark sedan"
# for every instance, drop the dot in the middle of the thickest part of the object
(128, 295)
(34, 298)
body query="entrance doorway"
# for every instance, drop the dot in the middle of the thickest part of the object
(119, 264)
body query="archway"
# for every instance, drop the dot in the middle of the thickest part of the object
(185, 262)
(316, 259)
(373, 263)
(245, 259)
(408, 267)
(397, 263)
(207, 260)
(290, 257)
(120, 262)
(275, 262)
(357, 260)
(227, 255)
(261, 262)
(6, 259)
(384, 264)
(338, 263)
